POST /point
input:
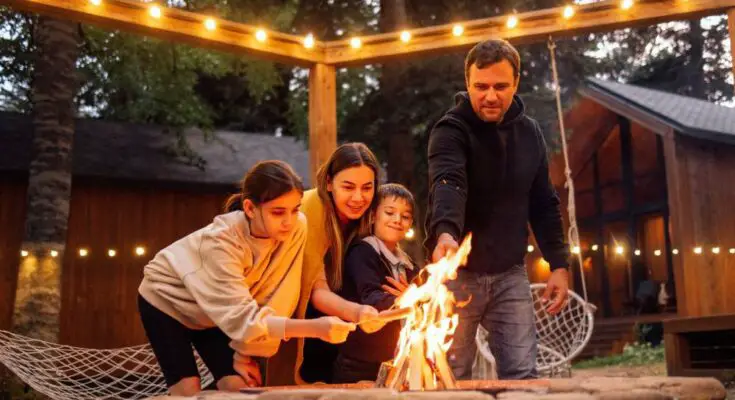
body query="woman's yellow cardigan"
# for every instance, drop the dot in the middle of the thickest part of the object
(283, 368)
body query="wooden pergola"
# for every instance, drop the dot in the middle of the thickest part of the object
(323, 57)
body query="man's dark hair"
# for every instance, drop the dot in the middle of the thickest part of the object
(490, 52)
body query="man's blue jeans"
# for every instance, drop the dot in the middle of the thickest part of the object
(502, 303)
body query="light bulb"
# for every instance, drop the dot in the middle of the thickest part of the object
(619, 250)
(210, 24)
(309, 41)
(716, 250)
(732, 251)
(24, 253)
(355, 43)
(410, 234)
(697, 250)
(155, 11)
(637, 252)
(626, 4)
(140, 250)
(54, 253)
(261, 35)
(595, 247)
(96, 2)
(512, 22)
(568, 12)
(657, 252)
(83, 252)
(405, 36)
(530, 248)
(576, 250)
(457, 30)
(111, 253)
(675, 251)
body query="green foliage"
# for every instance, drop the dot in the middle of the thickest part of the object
(633, 355)
(12, 388)
(16, 60)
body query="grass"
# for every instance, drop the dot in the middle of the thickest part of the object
(633, 355)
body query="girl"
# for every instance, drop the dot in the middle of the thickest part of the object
(229, 288)
(376, 271)
(337, 211)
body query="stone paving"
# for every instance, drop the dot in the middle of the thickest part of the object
(587, 388)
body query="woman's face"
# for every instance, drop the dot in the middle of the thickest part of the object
(393, 219)
(352, 191)
(274, 219)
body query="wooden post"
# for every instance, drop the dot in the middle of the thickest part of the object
(600, 237)
(635, 275)
(322, 116)
(731, 29)
(661, 166)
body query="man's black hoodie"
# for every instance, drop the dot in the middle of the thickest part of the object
(492, 179)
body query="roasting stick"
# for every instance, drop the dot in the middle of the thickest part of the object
(391, 315)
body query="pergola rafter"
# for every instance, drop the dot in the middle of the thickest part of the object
(324, 57)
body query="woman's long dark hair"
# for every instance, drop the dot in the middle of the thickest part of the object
(346, 156)
(265, 181)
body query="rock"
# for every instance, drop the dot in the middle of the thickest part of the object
(440, 395)
(684, 387)
(542, 396)
(364, 394)
(634, 394)
(302, 394)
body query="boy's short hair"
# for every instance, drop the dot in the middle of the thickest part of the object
(398, 191)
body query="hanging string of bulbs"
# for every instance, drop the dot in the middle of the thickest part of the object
(83, 252)
(621, 250)
(157, 12)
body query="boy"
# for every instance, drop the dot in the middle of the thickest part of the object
(376, 271)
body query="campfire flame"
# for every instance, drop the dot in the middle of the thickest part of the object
(421, 358)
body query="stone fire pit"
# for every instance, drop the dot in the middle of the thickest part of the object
(591, 388)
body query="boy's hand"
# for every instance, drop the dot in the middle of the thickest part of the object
(397, 287)
(369, 320)
(333, 329)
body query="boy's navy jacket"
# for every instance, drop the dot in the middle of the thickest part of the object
(365, 272)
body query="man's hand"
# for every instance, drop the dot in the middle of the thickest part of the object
(556, 291)
(444, 245)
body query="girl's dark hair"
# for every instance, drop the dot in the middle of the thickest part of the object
(265, 181)
(346, 156)
(396, 190)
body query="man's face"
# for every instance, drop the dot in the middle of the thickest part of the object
(491, 90)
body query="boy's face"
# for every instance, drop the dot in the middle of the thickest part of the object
(393, 219)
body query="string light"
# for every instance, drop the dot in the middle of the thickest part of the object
(111, 253)
(626, 4)
(155, 11)
(512, 22)
(309, 41)
(410, 234)
(24, 253)
(457, 30)
(637, 252)
(355, 43)
(732, 251)
(95, 2)
(619, 250)
(405, 36)
(697, 250)
(261, 35)
(83, 252)
(140, 250)
(657, 252)
(595, 247)
(675, 251)
(530, 248)
(716, 250)
(576, 250)
(568, 12)
(210, 24)
(54, 253)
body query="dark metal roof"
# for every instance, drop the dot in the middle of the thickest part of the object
(106, 149)
(686, 115)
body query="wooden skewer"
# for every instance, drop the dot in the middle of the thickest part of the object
(390, 315)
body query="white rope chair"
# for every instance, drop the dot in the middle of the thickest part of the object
(561, 337)
(64, 372)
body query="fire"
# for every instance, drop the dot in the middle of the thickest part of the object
(421, 362)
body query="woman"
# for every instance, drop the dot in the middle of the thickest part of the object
(229, 288)
(337, 212)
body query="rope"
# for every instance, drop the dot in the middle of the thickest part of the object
(573, 233)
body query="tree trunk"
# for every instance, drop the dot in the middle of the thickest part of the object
(37, 300)
(696, 60)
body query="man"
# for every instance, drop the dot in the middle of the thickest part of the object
(489, 175)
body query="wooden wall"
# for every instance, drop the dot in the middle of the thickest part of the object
(99, 293)
(701, 177)
(12, 214)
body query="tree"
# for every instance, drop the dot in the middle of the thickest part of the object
(37, 302)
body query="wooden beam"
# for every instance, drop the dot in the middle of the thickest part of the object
(731, 29)
(661, 167)
(533, 26)
(178, 26)
(600, 254)
(322, 116)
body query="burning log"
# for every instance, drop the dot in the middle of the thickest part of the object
(421, 361)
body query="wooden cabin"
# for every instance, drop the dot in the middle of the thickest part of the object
(129, 195)
(654, 177)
